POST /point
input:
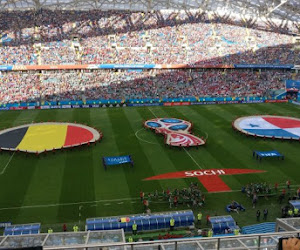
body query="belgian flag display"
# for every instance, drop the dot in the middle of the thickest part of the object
(47, 136)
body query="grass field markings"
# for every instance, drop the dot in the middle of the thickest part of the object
(69, 204)
(192, 158)
(107, 204)
(139, 138)
(152, 112)
(206, 134)
(119, 203)
(7, 164)
(183, 147)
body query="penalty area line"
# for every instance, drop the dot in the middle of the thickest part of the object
(3, 171)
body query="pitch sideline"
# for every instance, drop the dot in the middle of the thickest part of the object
(102, 201)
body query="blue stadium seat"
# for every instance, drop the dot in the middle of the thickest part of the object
(153, 224)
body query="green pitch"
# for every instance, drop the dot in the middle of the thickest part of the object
(70, 186)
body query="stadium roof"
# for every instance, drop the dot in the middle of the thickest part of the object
(282, 9)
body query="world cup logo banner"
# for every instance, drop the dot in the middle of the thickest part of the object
(177, 132)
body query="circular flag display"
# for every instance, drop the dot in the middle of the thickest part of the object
(279, 127)
(40, 137)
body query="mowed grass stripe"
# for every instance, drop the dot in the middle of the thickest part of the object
(128, 144)
(289, 148)
(203, 158)
(204, 152)
(274, 167)
(222, 150)
(13, 188)
(78, 177)
(46, 182)
(110, 184)
(181, 158)
(279, 170)
(156, 153)
(284, 170)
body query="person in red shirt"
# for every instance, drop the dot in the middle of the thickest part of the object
(207, 219)
(276, 187)
(64, 227)
(168, 192)
(175, 201)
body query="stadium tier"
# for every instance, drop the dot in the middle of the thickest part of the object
(53, 37)
(109, 87)
(67, 73)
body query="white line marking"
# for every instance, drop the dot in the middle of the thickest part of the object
(120, 203)
(69, 204)
(139, 138)
(152, 112)
(107, 204)
(2, 172)
(192, 158)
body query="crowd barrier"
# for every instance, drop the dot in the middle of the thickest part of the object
(144, 66)
(137, 103)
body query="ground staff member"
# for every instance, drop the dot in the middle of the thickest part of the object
(50, 231)
(130, 239)
(134, 228)
(199, 218)
(172, 224)
(75, 228)
(296, 211)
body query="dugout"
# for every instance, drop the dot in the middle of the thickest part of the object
(155, 221)
(221, 223)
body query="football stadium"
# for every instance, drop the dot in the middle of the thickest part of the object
(154, 124)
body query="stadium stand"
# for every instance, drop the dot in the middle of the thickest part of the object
(127, 86)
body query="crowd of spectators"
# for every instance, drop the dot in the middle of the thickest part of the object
(161, 37)
(16, 87)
